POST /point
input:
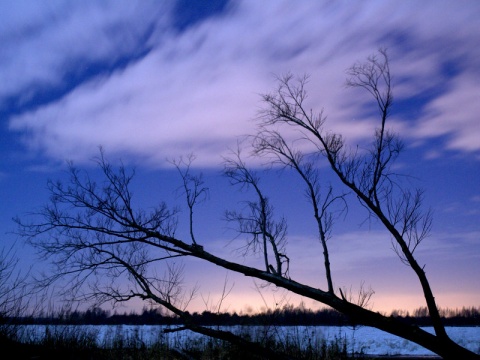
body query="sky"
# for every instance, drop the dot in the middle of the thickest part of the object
(150, 81)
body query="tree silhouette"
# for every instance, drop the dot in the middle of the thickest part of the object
(96, 237)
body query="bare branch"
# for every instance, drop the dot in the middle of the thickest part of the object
(271, 142)
(259, 224)
(193, 188)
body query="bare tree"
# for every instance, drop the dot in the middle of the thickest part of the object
(13, 285)
(265, 232)
(14, 293)
(271, 142)
(92, 232)
(192, 187)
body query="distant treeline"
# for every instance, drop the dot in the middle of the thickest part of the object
(286, 316)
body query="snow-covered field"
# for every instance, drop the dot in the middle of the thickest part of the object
(359, 340)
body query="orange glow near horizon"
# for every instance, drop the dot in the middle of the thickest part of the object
(253, 302)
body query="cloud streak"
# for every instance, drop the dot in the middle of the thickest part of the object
(197, 90)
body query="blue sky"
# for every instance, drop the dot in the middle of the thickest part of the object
(150, 81)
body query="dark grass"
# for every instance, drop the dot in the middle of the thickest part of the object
(18, 351)
(82, 345)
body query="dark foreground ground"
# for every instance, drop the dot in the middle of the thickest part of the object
(403, 357)
(16, 351)
(36, 354)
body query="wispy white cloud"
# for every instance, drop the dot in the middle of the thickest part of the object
(42, 41)
(455, 115)
(198, 90)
